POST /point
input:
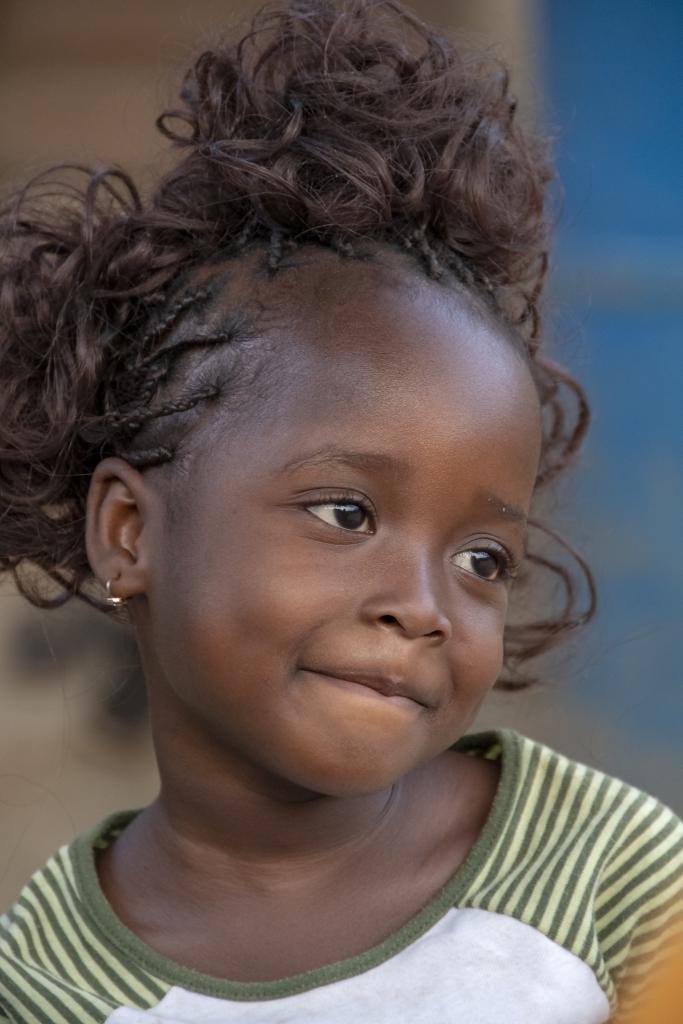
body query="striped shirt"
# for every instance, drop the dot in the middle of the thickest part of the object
(555, 916)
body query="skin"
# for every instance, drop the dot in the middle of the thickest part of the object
(286, 797)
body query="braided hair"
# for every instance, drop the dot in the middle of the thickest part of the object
(334, 124)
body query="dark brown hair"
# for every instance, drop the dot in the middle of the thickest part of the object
(326, 124)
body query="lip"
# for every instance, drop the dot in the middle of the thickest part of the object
(393, 688)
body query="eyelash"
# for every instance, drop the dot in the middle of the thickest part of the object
(509, 567)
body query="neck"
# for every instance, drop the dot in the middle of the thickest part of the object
(218, 815)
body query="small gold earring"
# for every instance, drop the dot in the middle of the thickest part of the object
(115, 601)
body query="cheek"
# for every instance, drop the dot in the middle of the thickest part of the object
(478, 644)
(241, 615)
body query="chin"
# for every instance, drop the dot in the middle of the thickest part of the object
(357, 774)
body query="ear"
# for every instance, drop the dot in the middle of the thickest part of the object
(119, 526)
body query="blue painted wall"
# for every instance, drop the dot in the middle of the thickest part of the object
(614, 81)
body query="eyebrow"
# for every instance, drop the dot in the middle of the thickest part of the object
(331, 455)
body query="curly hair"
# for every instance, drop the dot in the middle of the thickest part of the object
(327, 124)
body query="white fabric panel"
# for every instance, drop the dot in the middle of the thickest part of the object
(472, 965)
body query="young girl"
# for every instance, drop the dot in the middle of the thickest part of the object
(288, 417)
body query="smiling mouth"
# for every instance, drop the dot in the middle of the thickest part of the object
(371, 690)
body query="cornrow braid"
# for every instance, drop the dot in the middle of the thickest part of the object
(131, 422)
(128, 394)
(426, 251)
(172, 314)
(149, 457)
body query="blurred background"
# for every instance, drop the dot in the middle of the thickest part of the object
(83, 82)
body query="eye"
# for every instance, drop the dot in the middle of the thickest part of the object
(347, 512)
(493, 564)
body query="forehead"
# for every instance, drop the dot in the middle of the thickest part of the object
(382, 309)
(378, 349)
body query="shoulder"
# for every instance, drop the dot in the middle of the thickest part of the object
(54, 952)
(622, 830)
(549, 799)
(31, 946)
(593, 862)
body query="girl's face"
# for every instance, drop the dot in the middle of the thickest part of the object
(357, 522)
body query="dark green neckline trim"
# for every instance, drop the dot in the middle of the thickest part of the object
(95, 904)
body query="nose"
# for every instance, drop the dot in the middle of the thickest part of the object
(412, 600)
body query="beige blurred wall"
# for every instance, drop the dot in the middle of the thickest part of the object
(83, 80)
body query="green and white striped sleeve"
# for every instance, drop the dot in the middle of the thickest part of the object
(639, 906)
